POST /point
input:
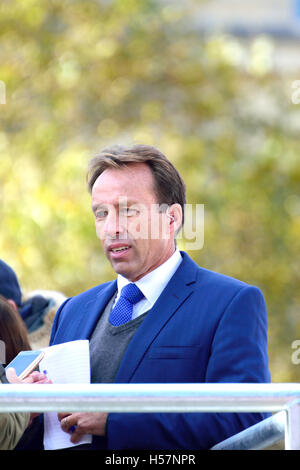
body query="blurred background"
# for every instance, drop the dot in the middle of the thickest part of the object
(214, 84)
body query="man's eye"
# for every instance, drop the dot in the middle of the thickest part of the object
(100, 214)
(129, 211)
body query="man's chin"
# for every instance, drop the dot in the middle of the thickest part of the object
(121, 267)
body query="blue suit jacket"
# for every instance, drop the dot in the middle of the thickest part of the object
(204, 328)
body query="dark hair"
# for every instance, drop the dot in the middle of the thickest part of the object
(13, 331)
(169, 186)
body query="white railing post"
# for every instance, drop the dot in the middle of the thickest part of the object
(292, 434)
(260, 436)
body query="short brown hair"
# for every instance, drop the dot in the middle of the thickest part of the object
(169, 186)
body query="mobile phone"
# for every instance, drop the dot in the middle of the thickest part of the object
(26, 362)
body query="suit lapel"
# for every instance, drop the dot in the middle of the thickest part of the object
(174, 295)
(93, 310)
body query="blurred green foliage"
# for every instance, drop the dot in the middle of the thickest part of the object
(83, 74)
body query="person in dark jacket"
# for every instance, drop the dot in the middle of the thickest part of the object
(37, 308)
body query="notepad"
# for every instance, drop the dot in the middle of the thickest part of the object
(66, 363)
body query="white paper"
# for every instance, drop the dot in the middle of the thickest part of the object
(66, 363)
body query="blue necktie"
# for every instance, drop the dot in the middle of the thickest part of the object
(122, 311)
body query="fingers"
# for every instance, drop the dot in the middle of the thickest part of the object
(76, 434)
(34, 377)
(79, 424)
(12, 376)
(38, 377)
(62, 415)
(67, 421)
(68, 424)
(72, 424)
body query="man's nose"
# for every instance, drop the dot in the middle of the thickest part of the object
(114, 225)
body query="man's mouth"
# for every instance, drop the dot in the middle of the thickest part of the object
(118, 249)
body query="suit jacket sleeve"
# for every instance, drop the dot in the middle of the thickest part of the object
(238, 353)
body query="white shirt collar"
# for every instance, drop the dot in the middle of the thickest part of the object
(154, 282)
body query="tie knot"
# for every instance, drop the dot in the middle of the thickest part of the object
(132, 293)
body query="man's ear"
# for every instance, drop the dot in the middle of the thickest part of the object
(174, 214)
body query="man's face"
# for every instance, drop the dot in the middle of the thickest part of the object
(136, 236)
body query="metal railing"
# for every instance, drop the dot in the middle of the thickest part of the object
(283, 398)
(263, 435)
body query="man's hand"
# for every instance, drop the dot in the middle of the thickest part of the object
(78, 424)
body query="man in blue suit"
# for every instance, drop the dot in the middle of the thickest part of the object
(165, 319)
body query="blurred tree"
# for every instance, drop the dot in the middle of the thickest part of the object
(80, 75)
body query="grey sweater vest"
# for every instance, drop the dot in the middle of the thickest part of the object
(108, 344)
